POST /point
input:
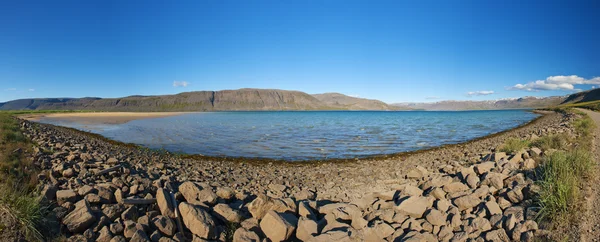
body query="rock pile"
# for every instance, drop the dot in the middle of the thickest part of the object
(103, 194)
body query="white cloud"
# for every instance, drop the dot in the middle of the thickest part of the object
(480, 93)
(555, 83)
(354, 95)
(10, 89)
(180, 83)
(432, 97)
(31, 90)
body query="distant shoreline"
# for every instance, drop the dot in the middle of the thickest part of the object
(100, 117)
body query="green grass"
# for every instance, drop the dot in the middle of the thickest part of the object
(513, 145)
(584, 126)
(26, 209)
(563, 173)
(554, 141)
(592, 105)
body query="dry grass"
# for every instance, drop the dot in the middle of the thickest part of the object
(19, 199)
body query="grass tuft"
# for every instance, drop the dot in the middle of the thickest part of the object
(25, 209)
(513, 145)
(562, 175)
(555, 141)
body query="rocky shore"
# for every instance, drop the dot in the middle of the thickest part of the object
(465, 192)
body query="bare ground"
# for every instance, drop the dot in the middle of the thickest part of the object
(589, 227)
(100, 117)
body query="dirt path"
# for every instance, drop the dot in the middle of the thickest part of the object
(589, 229)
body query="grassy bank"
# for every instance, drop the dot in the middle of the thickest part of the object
(563, 174)
(22, 209)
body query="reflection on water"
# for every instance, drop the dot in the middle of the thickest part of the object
(307, 135)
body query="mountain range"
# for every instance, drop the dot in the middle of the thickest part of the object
(273, 99)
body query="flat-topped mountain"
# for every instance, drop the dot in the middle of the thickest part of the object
(226, 100)
(274, 99)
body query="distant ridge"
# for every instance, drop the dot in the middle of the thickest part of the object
(249, 99)
(225, 100)
(515, 103)
(585, 96)
(341, 101)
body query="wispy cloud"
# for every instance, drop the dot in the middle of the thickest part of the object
(555, 83)
(480, 93)
(433, 97)
(10, 89)
(31, 90)
(180, 83)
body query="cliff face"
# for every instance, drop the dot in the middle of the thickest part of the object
(243, 99)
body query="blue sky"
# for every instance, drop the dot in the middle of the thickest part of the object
(395, 51)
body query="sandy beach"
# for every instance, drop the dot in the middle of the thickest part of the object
(100, 117)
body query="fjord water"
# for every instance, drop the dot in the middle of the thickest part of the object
(307, 135)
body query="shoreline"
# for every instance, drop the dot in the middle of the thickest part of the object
(374, 199)
(255, 160)
(100, 117)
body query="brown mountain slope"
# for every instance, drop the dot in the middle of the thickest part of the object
(585, 96)
(226, 100)
(341, 101)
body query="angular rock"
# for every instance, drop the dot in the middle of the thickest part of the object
(244, 235)
(498, 235)
(260, 206)
(307, 229)
(278, 227)
(455, 187)
(139, 236)
(64, 196)
(436, 217)
(198, 221)
(226, 193)
(484, 167)
(417, 173)
(226, 213)
(413, 206)
(190, 191)
(165, 203)
(164, 224)
(79, 219)
(466, 202)
(493, 208)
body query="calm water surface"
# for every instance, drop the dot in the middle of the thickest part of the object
(307, 135)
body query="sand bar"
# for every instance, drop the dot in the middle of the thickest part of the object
(100, 117)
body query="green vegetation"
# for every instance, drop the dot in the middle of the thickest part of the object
(592, 105)
(555, 141)
(513, 145)
(18, 180)
(564, 173)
